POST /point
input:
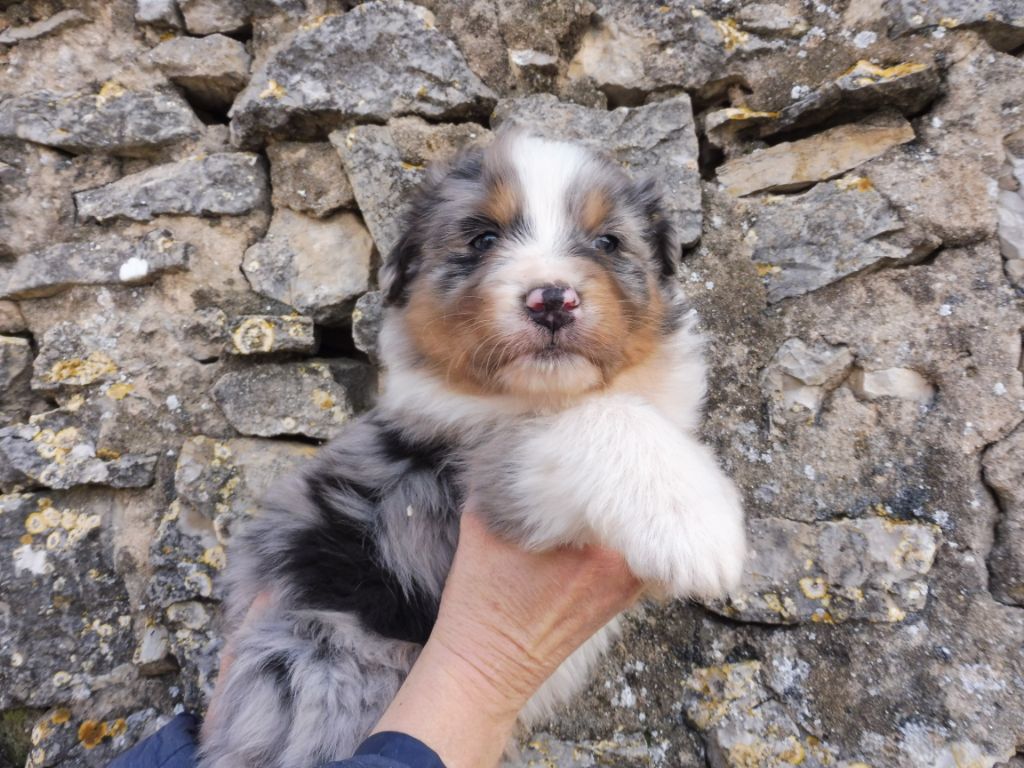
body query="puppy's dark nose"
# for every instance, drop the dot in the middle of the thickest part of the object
(552, 306)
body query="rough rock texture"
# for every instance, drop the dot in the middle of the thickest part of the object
(862, 301)
(318, 266)
(377, 61)
(109, 259)
(308, 178)
(113, 120)
(211, 70)
(229, 183)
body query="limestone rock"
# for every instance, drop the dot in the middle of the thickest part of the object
(265, 334)
(745, 726)
(15, 373)
(657, 140)
(636, 48)
(225, 184)
(314, 399)
(153, 655)
(545, 749)
(318, 266)
(803, 242)
(792, 165)
(71, 357)
(64, 448)
(1000, 22)
(868, 569)
(109, 259)
(58, 564)
(801, 375)
(1004, 472)
(907, 87)
(11, 319)
(386, 163)
(308, 178)
(114, 120)
(904, 383)
(60, 20)
(1011, 220)
(366, 320)
(771, 19)
(162, 13)
(205, 17)
(61, 737)
(211, 70)
(346, 68)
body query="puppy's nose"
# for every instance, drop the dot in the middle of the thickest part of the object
(551, 306)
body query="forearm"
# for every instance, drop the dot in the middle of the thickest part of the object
(455, 708)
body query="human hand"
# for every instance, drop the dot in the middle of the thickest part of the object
(507, 619)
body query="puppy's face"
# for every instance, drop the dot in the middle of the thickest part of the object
(532, 267)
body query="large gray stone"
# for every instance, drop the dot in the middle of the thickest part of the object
(1000, 22)
(65, 448)
(803, 242)
(658, 140)
(869, 569)
(114, 120)
(211, 70)
(314, 399)
(225, 184)
(376, 61)
(309, 178)
(366, 319)
(318, 266)
(205, 17)
(385, 163)
(58, 564)
(1004, 473)
(108, 259)
(266, 334)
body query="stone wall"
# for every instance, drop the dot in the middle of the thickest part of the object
(195, 197)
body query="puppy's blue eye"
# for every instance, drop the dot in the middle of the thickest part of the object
(484, 242)
(606, 243)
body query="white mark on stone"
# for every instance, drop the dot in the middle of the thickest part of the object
(945, 310)
(809, 472)
(173, 402)
(865, 39)
(799, 91)
(133, 269)
(999, 389)
(28, 559)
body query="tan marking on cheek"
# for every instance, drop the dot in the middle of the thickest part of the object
(596, 208)
(460, 338)
(501, 203)
(626, 334)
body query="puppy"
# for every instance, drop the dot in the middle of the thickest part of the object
(538, 356)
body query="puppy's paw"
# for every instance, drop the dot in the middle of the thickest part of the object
(695, 545)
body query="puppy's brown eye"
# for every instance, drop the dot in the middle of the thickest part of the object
(607, 243)
(484, 242)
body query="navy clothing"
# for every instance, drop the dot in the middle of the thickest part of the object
(175, 746)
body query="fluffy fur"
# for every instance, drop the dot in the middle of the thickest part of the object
(567, 432)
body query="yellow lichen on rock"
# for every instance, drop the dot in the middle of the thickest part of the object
(81, 371)
(732, 35)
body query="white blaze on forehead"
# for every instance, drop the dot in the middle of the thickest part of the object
(547, 171)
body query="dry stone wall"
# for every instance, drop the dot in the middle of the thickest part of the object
(194, 198)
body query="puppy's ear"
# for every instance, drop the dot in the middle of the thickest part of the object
(402, 264)
(658, 230)
(443, 186)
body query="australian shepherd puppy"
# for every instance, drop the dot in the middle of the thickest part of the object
(540, 357)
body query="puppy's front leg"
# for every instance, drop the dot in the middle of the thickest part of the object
(615, 471)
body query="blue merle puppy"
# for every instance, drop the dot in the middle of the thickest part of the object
(539, 356)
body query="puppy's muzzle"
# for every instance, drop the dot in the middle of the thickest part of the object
(552, 306)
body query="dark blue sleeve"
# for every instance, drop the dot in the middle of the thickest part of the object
(174, 746)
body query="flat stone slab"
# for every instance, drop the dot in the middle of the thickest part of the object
(114, 120)
(211, 70)
(315, 399)
(106, 260)
(792, 165)
(658, 140)
(377, 61)
(1000, 22)
(224, 184)
(308, 177)
(803, 242)
(869, 569)
(318, 266)
(266, 334)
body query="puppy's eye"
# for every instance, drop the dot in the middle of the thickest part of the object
(606, 243)
(484, 242)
